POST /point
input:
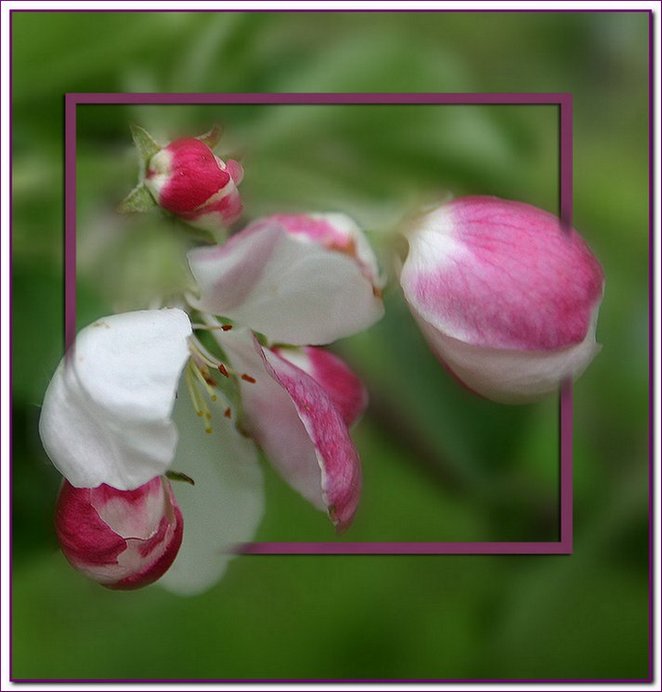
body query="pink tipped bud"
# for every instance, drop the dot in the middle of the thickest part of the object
(188, 180)
(506, 296)
(122, 539)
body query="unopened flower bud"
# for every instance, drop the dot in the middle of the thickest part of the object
(187, 179)
(122, 539)
(506, 296)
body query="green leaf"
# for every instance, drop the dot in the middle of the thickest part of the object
(179, 476)
(139, 199)
(144, 142)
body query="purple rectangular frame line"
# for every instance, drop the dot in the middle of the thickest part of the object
(563, 100)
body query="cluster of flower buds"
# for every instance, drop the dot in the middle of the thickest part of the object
(506, 296)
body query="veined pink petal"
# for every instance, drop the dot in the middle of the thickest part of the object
(342, 385)
(121, 539)
(502, 274)
(505, 295)
(299, 427)
(339, 462)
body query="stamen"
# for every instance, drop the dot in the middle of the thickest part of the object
(248, 378)
(193, 392)
(211, 327)
(223, 370)
(206, 381)
(201, 355)
(199, 404)
(228, 412)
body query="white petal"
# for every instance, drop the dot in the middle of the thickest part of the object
(226, 504)
(510, 376)
(106, 412)
(292, 290)
(364, 252)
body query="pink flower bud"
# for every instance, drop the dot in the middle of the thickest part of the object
(123, 539)
(188, 180)
(506, 296)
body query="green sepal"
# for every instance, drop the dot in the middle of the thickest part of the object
(179, 476)
(213, 137)
(145, 143)
(139, 199)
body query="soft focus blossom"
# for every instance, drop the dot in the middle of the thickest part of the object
(110, 420)
(121, 539)
(506, 296)
(298, 279)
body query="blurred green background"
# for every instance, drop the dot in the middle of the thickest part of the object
(438, 464)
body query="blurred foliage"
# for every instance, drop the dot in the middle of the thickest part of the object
(439, 464)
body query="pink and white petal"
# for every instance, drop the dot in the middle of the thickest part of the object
(224, 507)
(298, 426)
(341, 384)
(271, 418)
(106, 412)
(285, 287)
(334, 231)
(365, 256)
(509, 376)
(502, 274)
(336, 455)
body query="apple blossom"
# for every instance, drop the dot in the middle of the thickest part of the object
(506, 296)
(302, 279)
(110, 420)
(136, 398)
(123, 539)
(301, 420)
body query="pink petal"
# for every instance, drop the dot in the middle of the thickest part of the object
(336, 455)
(236, 171)
(502, 274)
(298, 426)
(341, 384)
